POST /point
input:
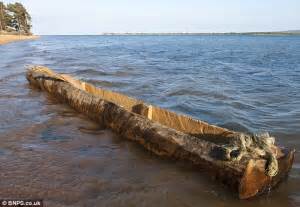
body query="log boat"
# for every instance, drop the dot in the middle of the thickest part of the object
(166, 133)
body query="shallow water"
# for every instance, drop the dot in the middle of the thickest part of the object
(48, 151)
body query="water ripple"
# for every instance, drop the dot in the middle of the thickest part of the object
(244, 83)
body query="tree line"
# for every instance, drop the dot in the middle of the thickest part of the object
(14, 18)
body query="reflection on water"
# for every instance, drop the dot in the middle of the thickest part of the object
(49, 151)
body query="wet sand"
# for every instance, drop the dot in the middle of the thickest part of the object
(4, 39)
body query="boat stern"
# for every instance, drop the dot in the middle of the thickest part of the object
(255, 181)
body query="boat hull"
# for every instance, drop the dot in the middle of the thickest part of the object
(247, 177)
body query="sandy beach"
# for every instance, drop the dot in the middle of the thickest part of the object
(4, 39)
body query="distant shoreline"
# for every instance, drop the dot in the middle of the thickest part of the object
(5, 39)
(195, 34)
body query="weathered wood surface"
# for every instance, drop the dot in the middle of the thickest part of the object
(246, 177)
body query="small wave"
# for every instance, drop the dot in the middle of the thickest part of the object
(192, 92)
(104, 83)
(122, 73)
(91, 72)
(11, 76)
(242, 106)
(185, 92)
(12, 96)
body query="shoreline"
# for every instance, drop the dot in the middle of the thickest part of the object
(5, 39)
(275, 33)
(197, 34)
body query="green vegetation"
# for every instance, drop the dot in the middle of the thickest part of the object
(14, 18)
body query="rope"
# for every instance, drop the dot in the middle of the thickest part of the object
(257, 145)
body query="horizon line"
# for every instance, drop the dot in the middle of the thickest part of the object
(181, 33)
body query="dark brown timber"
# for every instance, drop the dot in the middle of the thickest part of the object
(163, 132)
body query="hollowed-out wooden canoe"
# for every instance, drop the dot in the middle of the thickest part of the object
(163, 132)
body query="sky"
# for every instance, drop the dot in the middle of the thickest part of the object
(72, 17)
